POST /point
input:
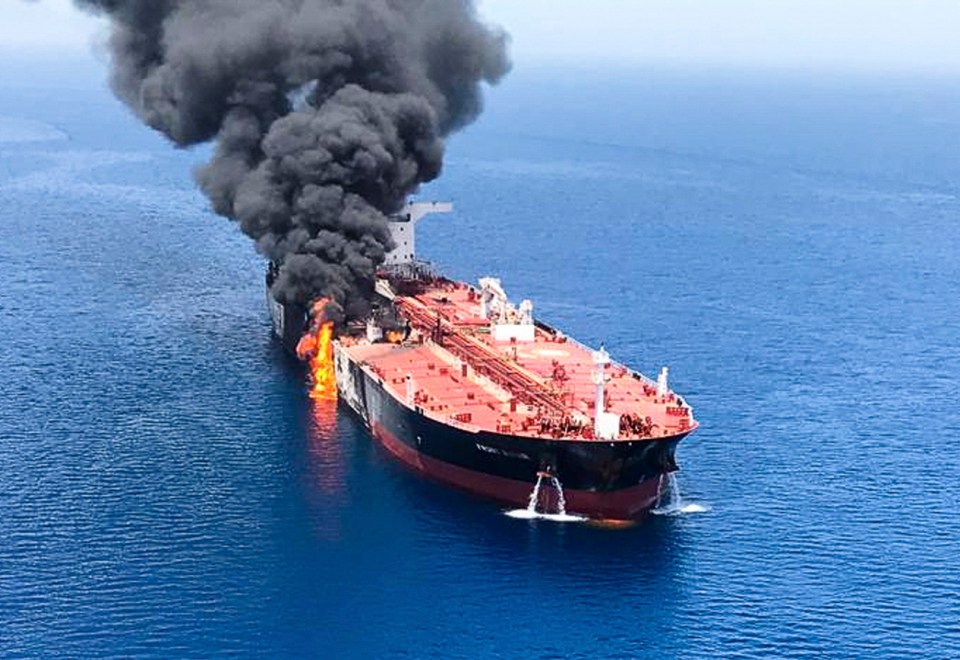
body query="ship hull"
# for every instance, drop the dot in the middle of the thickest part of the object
(615, 480)
(601, 479)
(289, 321)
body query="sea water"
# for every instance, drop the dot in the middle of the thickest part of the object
(788, 245)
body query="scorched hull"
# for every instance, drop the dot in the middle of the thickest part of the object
(289, 321)
(618, 480)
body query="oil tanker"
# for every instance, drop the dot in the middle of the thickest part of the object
(466, 388)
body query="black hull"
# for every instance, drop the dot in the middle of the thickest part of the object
(619, 479)
(606, 479)
(290, 322)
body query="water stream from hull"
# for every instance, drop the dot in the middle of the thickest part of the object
(671, 501)
(533, 504)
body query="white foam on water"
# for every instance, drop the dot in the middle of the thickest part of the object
(680, 511)
(671, 501)
(563, 517)
(522, 514)
(526, 514)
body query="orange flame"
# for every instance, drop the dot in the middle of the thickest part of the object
(317, 347)
(394, 336)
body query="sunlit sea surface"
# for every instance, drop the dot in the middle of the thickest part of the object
(789, 246)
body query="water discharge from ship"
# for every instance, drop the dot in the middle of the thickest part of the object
(671, 500)
(533, 504)
(316, 347)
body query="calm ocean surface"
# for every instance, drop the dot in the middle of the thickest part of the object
(788, 246)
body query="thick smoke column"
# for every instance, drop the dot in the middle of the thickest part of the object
(326, 114)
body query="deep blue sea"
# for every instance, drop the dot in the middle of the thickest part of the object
(788, 244)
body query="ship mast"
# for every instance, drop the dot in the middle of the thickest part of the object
(600, 359)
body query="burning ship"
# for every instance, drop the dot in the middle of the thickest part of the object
(468, 389)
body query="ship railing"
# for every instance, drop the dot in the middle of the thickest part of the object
(464, 426)
(450, 420)
(415, 270)
(636, 374)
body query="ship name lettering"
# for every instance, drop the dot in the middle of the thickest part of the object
(502, 452)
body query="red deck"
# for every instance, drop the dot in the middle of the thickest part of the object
(463, 376)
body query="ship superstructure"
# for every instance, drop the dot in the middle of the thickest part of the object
(465, 387)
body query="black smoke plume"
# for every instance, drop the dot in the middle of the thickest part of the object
(326, 114)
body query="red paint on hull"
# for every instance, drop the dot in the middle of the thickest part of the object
(625, 504)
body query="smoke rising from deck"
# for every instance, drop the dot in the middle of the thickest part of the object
(326, 114)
